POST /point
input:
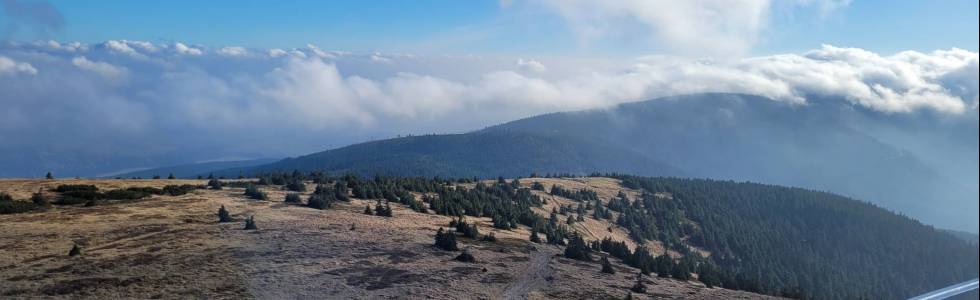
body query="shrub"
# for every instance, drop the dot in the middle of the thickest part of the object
(253, 192)
(607, 266)
(577, 249)
(446, 240)
(79, 196)
(75, 187)
(10, 206)
(39, 200)
(466, 229)
(177, 190)
(534, 237)
(214, 184)
(368, 211)
(466, 257)
(537, 186)
(250, 224)
(125, 194)
(489, 237)
(296, 186)
(293, 198)
(318, 201)
(146, 189)
(639, 287)
(75, 250)
(171, 176)
(223, 215)
(49, 176)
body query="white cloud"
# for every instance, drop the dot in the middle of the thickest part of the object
(276, 52)
(288, 92)
(233, 51)
(699, 27)
(531, 65)
(187, 50)
(104, 69)
(10, 66)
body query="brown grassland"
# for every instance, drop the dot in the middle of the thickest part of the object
(173, 247)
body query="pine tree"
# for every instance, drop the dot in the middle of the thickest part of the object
(253, 192)
(223, 215)
(292, 198)
(171, 176)
(681, 272)
(75, 250)
(607, 266)
(577, 249)
(446, 240)
(639, 287)
(250, 223)
(664, 265)
(214, 184)
(466, 257)
(49, 176)
(534, 237)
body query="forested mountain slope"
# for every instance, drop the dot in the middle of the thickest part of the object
(720, 136)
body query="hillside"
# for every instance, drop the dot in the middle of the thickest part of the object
(718, 136)
(718, 237)
(173, 247)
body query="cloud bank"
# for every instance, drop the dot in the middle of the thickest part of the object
(133, 95)
(700, 27)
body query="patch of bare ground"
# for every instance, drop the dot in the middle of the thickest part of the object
(172, 247)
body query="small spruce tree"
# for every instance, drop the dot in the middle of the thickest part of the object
(446, 240)
(466, 257)
(250, 223)
(49, 176)
(607, 266)
(292, 198)
(171, 176)
(577, 249)
(534, 237)
(214, 184)
(639, 287)
(223, 215)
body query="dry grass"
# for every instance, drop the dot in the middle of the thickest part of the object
(172, 247)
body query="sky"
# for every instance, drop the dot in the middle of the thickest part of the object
(182, 81)
(495, 27)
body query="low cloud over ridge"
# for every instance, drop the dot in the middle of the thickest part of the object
(145, 89)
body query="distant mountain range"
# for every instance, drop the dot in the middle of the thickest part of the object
(195, 169)
(720, 136)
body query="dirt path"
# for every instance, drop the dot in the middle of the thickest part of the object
(535, 276)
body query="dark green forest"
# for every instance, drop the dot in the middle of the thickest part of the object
(762, 238)
(777, 240)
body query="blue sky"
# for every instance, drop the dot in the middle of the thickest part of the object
(488, 27)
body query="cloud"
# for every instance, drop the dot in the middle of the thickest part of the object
(101, 68)
(277, 52)
(262, 103)
(698, 27)
(233, 51)
(531, 66)
(182, 49)
(10, 66)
